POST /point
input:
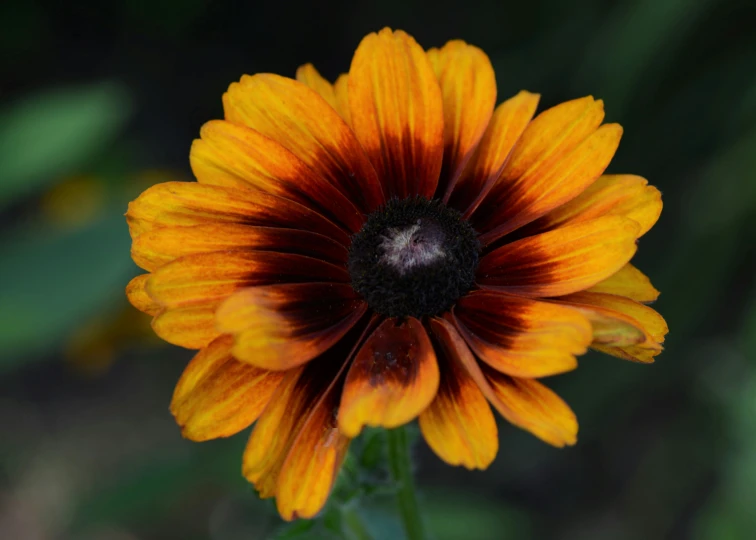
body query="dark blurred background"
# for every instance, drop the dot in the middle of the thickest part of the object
(101, 100)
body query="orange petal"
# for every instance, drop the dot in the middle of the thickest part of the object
(301, 121)
(218, 396)
(397, 112)
(458, 425)
(630, 282)
(547, 141)
(308, 75)
(392, 379)
(282, 326)
(235, 156)
(540, 191)
(192, 326)
(618, 321)
(305, 392)
(611, 195)
(563, 261)
(508, 122)
(175, 204)
(532, 406)
(157, 247)
(341, 87)
(137, 295)
(214, 276)
(468, 89)
(313, 462)
(633, 353)
(553, 134)
(525, 403)
(522, 337)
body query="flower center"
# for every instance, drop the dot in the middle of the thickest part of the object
(413, 257)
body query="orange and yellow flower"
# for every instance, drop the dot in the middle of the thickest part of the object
(390, 247)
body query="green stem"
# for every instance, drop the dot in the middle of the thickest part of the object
(354, 524)
(401, 471)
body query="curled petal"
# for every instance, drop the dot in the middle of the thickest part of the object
(279, 327)
(137, 295)
(397, 112)
(304, 123)
(630, 282)
(620, 322)
(218, 396)
(393, 377)
(522, 337)
(468, 89)
(563, 261)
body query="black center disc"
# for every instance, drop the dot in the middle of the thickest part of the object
(413, 257)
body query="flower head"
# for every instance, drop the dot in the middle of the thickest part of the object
(390, 247)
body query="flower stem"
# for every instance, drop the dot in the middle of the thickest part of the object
(354, 525)
(401, 472)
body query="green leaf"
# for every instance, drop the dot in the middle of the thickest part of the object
(51, 281)
(51, 133)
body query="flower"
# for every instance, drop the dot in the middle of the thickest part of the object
(390, 247)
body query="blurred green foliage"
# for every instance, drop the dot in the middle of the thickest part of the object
(114, 94)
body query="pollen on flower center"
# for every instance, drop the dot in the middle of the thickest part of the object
(413, 257)
(420, 244)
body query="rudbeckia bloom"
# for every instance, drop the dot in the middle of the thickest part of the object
(390, 247)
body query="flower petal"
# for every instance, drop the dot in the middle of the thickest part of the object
(397, 112)
(525, 403)
(174, 204)
(277, 456)
(215, 276)
(630, 282)
(542, 158)
(313, 462)
(301, 121)
(619, 321)
(308, 75)
(137, 295)
(633, 353)
(158, 247)
(563, 261)
(534, 194)
(507, 124)
(468, 89)
(218, 396)
(458, 425)
(191, 326)
(279, 327)
(611, 195)
(393, 377)
(341, 87)
(235, 156)
(532, 406)
(522, 337)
